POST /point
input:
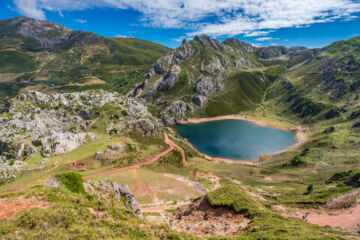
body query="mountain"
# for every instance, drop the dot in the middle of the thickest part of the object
(323, 86)
(45, 56)
(89, 148)
(205, 77)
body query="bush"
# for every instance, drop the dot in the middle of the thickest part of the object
(310, 188)
(72, 181)
(295, 162)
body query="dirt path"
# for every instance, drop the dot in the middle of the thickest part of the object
(348, 219)
(171, 145)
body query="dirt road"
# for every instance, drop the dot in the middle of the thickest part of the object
(171, 147)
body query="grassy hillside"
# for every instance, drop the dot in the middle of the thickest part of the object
(57, 59)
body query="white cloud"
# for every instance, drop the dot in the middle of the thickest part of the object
(265, 39)
(229, 17)
(80, 20)
(121, 36)
(257, 33)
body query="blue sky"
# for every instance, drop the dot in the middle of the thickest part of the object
(310, 23)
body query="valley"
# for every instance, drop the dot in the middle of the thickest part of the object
(89, 147)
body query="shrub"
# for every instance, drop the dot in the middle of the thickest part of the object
(310, 188)
(72, 181)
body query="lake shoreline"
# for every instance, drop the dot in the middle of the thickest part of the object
(300, 137)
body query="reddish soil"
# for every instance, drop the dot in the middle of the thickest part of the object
(171, 147)
(201, 219)
(11, 206)
(348, 219)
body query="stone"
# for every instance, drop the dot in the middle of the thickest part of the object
(52, 182)
(170, 78)
(200, 101)
(56, 121)
(106, 189)
(58, 143)
(175, 111)
(205, 87)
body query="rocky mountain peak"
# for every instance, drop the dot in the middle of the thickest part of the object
(243, 45)
(209, 43)
(47, 33)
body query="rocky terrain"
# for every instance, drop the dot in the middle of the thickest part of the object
(201, 219)
(60, 123)
(77, 101)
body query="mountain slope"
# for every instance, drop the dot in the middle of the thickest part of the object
(41, 55)
(205, 77)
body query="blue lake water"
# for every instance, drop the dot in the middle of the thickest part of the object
(235, 139)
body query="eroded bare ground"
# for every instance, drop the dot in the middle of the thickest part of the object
(9, 206)
(201, 219)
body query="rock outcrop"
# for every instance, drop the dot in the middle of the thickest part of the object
(59, 123)
(200, 101)
(170, 78)
(205, 87)
(48, 34)
(175, 111)
(208, 63)
(106, 189)
(58, 143)
(271, 52)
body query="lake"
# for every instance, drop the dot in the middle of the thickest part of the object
(235, 139)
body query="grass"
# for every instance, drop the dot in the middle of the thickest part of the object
(243, 91)
(16, 61)
(151, 186)
(68, 217)
(267, 224)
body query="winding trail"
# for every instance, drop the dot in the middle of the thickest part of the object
(171, 147)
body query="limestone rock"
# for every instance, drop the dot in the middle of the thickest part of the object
(205, 87)
(106, 189)
(170, 78)
(200, 101)
(52, 182)
(58, 143)
(175, 111)
(59, 122)
(207, 42)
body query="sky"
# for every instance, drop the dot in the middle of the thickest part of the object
(309, 23)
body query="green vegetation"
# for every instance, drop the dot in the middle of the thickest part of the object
(74, 216)
(243, 91)
(72, 181)
(267, 224)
